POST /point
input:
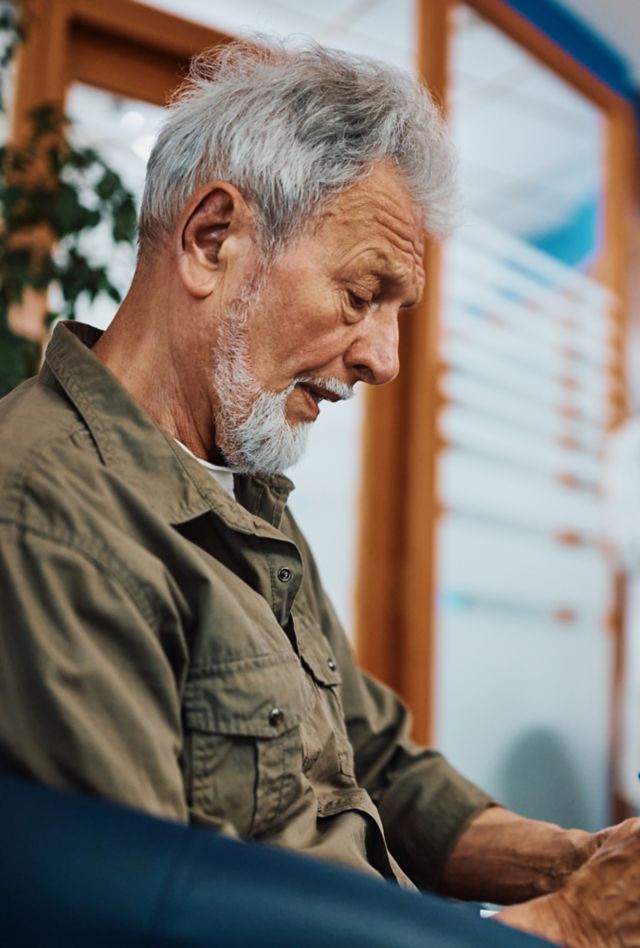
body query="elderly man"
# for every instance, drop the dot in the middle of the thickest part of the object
(165, 639)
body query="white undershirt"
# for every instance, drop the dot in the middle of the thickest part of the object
(223, 475)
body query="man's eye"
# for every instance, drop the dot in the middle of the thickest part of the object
(358, 302)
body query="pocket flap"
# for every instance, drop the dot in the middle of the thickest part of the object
(261, 696)
(316, 653)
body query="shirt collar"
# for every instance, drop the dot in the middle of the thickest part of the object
(131, 444)
(223, 475)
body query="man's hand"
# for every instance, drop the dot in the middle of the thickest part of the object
(505, 858)
(599, 905)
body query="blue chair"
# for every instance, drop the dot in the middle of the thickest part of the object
(81, 872)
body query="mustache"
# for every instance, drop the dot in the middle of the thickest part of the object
(341, 389)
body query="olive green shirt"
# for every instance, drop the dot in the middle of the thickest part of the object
(169, 647)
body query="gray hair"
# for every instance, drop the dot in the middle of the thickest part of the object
(291, 128)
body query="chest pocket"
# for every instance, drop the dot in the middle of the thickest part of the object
(242, 744)
(318, 658)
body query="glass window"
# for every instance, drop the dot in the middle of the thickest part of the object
(523, 668)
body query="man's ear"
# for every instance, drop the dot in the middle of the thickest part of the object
(213, 227)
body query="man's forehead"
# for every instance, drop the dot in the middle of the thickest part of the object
(380, 207)
(381, 186)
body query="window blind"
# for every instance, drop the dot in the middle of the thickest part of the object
(526, 387)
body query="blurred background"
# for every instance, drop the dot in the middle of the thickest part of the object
(459, 517)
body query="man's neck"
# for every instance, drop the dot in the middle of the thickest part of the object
(144, 361)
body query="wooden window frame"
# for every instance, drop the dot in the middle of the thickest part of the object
(397, 581)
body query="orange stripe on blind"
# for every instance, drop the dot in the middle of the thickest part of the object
(573, 482)
(569, 538)
(569, 442)
(569, 411)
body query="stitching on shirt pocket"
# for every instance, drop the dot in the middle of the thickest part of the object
(316, 652)
(243, 737)
(317, 655)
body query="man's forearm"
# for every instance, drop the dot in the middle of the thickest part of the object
(574, 888)
(505, 858)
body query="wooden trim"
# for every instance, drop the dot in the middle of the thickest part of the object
(422, 509)
(123, 46)
(106, 39)
(622, 237)
(619, 806)
(615, 267)
(41, 63)
(380, 544)
(396, 566)
(108, 65)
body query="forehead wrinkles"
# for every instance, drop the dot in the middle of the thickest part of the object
(368, 257)
(363, 216)
(383, 246)
(407, 239)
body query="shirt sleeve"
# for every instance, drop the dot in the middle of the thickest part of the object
(424, 803)
(88, 698)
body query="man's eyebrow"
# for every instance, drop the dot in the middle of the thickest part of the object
(390, 272)
(387, 271)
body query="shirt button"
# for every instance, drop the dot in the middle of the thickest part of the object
(284, 574)
(276, 717)
(331, 664)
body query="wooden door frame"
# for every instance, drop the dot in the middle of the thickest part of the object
(397, 581)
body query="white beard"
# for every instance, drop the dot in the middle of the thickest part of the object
(251, 427)
(265, 442)
(252, 430)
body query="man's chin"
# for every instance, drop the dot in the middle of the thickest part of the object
(272, 454)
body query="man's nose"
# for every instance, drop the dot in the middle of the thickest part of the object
(374, 354)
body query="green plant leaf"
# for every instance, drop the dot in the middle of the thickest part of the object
(71, 190)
